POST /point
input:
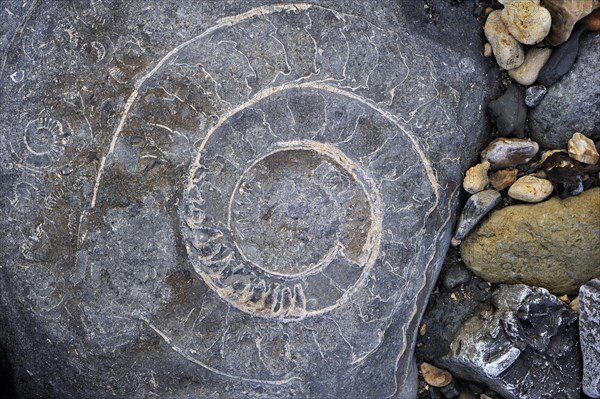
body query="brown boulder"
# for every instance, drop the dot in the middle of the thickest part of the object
(553, 244)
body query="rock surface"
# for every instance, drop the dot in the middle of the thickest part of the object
(507, 50)
(509, 112)
(526, 21)
(589, 333)
(535, 59)
(565, 13)
(554, 244)
(246, 198)
(573, 103)
(524, 347)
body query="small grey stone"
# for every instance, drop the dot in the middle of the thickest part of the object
(534, 95)
(509, 112)
(456, 274)
(478, 205)
(589, 334)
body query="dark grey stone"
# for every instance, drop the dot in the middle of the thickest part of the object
(229, 199)
(509, 112)
(525, 346)
(455, 274)
(478, 205)
(589, 334)
(573, 103)
(561, 60)
(534, 95)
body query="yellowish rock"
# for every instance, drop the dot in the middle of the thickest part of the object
(434, 376)
(507, 50)
(535, 59)
(565, 13)
(582, 149)
(503, 178)
(526, 21)
(476, 178)
(530, 189)
(554, 244)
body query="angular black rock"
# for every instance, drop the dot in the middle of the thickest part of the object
(566, 174)
(231, 198)
(525, 346)
(509, 112)
(561, 60)
(573, 103)
(589, 333)
(478, 205)
(534, 95)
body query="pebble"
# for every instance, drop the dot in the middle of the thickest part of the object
(582, 149)
(531, 189)
(476, 178)
(589, 333)
(527, 73)
(507, 50)
(575, 305)
(455, 275)
(527, 22)
(565, 15)
(534, 95)
(551, 244)
(503, 178)
(506, 153)
(487, 50)
(477, 206)
(561, 60)
(435, 376)
(509, 113)
(565, 174)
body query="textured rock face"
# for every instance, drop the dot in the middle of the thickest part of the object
(577, 94)
(554, 244)
(522, 347)
(589, 332)
(232, 197)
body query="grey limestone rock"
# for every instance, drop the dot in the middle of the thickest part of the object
(589, 333)
(524, 346)
(228, 199)
(573, 103)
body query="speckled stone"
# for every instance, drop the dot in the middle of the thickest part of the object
(530, 189)
(554, 244)
(526, 21)
(507, 50)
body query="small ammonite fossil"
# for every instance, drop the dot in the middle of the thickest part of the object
(40, 144)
